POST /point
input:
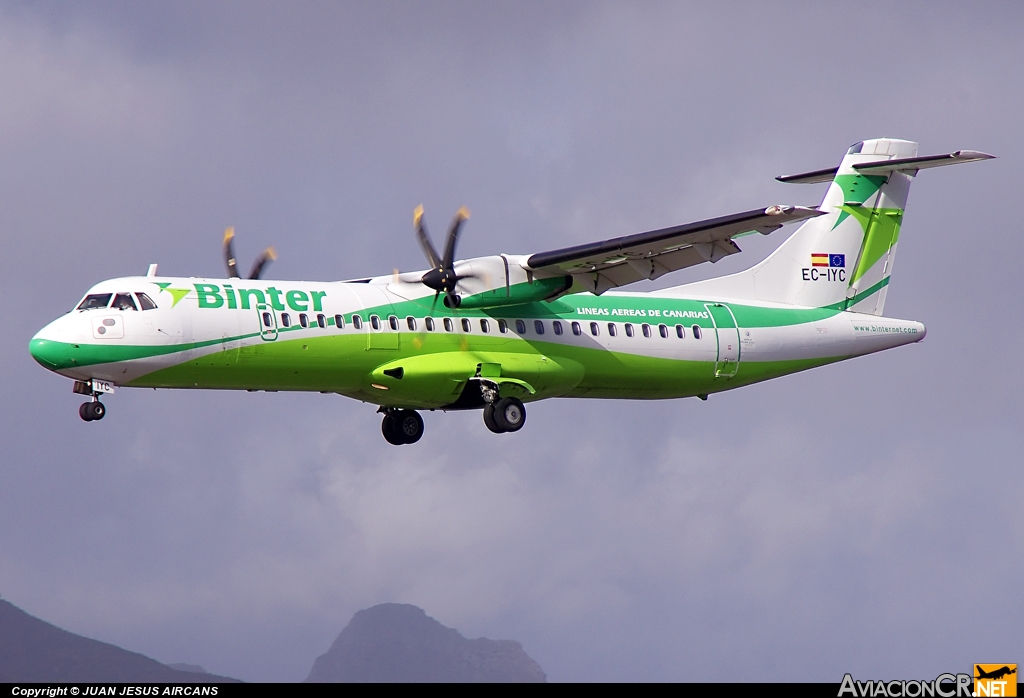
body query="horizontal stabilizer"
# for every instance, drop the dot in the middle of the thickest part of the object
(826, 175)
(922, 163)
(884, 167)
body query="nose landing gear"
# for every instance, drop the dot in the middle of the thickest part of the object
(401, 426)
(92, 411)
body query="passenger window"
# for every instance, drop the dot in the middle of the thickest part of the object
(303, 320)
(576, 330)
(410, 322)
(448, 324)
(484, 327)
(538, 326)
(680, 332)
(696, 331)
(357, 322)
(339, 321)
(557, 327)
(429, 323)
(466, 327)
(145, 301)
(629, 330)
(595, 329)
(647, 330)
(375, 322)
(393, 322)
(611, 329)
(124, 301)
(520, 327)
(502, 326)
(286, 319)
(267, 320)
(663, 331)
(321, 321)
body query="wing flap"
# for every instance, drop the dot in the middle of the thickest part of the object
(599, 266)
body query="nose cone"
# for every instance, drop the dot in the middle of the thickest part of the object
(48, 349)
(48, 353)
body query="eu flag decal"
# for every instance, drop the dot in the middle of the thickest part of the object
(832, 261)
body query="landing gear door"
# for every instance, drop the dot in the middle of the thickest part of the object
(268, 322)
(727, 334)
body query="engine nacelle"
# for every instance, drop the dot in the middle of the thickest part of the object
(501, 280)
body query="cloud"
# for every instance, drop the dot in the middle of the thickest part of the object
(838, 520)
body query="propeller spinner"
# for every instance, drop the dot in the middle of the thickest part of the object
(441, 277)
(268, 255)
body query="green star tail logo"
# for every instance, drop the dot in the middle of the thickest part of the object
(176, 293)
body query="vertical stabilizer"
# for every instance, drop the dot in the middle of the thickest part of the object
(842, 259)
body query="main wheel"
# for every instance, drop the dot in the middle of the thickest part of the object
(410, 425)
(509, 414)
(490, 421)
(389, 428)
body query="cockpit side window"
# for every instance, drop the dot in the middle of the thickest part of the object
(124, 301)
(95, 300)
(145, 301)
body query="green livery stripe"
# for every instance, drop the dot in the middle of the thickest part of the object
(856, 190)
(61, 355)
(846, 303)
(599, 309)
(342, 364)
(881, 231)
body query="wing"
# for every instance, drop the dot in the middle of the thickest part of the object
(599, 266)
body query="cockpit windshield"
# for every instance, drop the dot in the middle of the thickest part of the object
(95, 300)
(145, 301)
(124, 301)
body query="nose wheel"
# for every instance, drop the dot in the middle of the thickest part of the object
(92, 411)
(505, 415)
(401, 426)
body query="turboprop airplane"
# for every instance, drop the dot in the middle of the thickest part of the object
(493, 333)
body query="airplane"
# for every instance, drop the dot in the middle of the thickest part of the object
(493, 333)
(995, 674)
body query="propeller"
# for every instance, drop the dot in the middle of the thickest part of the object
(441, 277)
(268, 255)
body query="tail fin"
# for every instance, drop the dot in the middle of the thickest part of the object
(844, 259)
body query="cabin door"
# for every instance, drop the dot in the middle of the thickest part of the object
(728, 335)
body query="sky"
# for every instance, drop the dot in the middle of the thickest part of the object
(863, 517)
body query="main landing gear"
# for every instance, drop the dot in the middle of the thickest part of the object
(504, 415)
(401, 426)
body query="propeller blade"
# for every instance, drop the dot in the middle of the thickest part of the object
(461, 216)
(229, 252)
(424, 238)
(269, 255)
(452, 299)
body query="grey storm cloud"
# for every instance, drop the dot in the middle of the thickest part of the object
(860, 517)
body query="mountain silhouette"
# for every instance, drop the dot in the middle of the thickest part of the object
(400, 643)
(32, 650)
